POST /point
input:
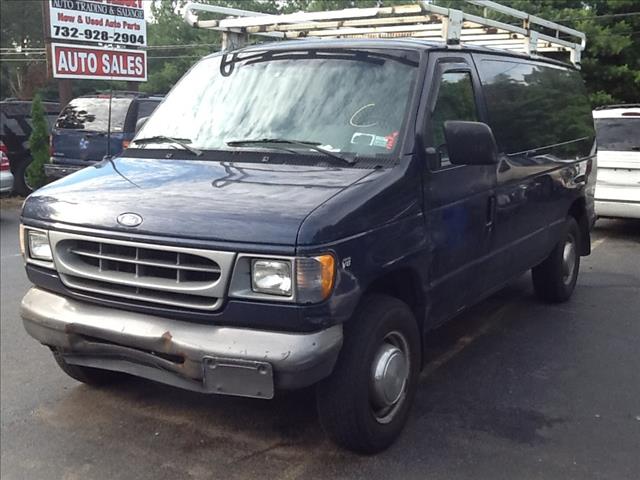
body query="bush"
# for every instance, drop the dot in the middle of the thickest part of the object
(38, 144)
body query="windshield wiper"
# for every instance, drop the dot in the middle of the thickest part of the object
(163, 139)
(284, 141)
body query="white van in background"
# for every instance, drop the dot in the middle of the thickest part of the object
(618, 185)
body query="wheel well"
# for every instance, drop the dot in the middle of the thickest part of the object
(578, 210)
(403, 284)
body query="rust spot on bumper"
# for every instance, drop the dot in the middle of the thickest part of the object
(166, 338)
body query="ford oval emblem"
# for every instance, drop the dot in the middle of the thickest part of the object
(129, 219)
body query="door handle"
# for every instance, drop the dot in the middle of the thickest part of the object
(491, 211)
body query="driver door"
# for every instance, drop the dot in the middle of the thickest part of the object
(459, 199)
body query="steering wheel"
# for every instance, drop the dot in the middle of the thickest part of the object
(359, 118)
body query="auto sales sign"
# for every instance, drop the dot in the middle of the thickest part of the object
(97, 39)
(74, 61)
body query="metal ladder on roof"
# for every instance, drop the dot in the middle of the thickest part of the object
(531, 35)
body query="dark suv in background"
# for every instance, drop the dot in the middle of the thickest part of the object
(80, 135)
(15, 130)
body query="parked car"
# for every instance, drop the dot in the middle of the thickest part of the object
(80, 135)
(305, 213)
(15, 130)
(618, 186)
(6, 178)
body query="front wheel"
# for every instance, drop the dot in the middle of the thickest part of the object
(364, 404)
(555, 278)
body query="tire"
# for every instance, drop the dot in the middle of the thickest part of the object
(91, 376)
(555, 278)
(348, 401)
(20, 183)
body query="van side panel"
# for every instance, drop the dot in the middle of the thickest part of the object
(541, 118)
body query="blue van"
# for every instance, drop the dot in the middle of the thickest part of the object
(306, 212)
(80, 135)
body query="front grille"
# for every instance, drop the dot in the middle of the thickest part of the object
(177, 276)
(144, 262)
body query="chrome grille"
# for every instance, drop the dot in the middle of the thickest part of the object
(185, 277)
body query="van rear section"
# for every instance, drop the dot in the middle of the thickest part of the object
(88, 130)
(618, 186)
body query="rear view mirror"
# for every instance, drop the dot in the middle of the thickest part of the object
(140, 123)
(470, 143)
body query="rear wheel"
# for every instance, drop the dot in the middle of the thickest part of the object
(364, 404)
(91, 376)
(555, 279)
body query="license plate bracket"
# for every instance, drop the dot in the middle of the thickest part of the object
(245, 378)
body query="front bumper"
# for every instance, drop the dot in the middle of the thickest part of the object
(203, 358)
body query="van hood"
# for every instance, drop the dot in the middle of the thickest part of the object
(200, 200)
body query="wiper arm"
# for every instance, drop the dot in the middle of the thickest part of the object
(284, 141)
(163, 138)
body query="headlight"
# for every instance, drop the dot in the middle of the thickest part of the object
(283, 279)
(272, 277)
(21, 240)
(39, 248)
(34, 246)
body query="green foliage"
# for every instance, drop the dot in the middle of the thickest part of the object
(320, 5)
(38, 144)
(181, 46)
(168, 64)
(611, 61)
(19, 29)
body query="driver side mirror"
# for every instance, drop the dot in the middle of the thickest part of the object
(140, 123)
(470, 143)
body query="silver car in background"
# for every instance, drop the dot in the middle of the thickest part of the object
(6, 177)
(618, 185)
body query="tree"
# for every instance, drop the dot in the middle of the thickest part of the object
(176, 46)
(611, 61)
(38, 144)
(22, 75)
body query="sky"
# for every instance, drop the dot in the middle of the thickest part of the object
(147, 10)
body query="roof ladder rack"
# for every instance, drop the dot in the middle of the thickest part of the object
(533, 36)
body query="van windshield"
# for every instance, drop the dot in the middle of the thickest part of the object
(348, 101)
(92, 114)
(618, 134)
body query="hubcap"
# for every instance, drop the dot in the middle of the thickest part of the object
(568, 260)
(26, 179)
(389, 374)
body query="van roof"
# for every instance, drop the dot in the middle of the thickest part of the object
(515, 31)
(406, 43)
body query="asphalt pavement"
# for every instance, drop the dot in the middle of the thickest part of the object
(513, 389)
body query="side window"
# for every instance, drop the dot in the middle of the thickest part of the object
(455, 101)
(537, 108)
(146, 108)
